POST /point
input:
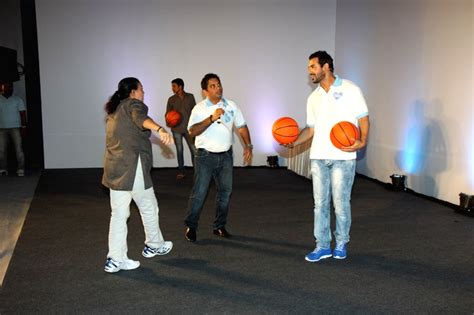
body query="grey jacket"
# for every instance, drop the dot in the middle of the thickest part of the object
(126, 140)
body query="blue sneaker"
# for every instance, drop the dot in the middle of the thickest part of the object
(318, 253)
(340, 251)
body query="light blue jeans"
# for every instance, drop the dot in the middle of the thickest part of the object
(332, 178)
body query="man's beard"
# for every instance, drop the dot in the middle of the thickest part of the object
(317, 79)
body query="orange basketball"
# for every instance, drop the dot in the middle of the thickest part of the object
(173, 118)
(285, 130)
(342, 134)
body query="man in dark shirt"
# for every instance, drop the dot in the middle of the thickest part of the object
(183, 103)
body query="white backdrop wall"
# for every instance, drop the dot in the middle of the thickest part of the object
(414, 61)
(259, 49)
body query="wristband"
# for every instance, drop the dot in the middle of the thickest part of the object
(210, 118)
(158, 130)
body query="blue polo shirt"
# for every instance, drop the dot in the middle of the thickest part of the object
(10, 109)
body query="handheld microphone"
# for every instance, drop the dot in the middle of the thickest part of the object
(219, 120)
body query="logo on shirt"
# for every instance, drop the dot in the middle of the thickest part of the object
(228, 113)
(227, 117)
(337, 95)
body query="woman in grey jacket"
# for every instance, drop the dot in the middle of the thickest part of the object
(127, 165)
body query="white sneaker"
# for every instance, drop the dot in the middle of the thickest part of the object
(3, 173)
(164, 249)
(114, 266)
(20, 173)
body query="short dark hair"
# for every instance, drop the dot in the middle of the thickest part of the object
(206, 79)
(179, 82)
(323, 58)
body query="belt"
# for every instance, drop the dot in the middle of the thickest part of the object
(217, 153)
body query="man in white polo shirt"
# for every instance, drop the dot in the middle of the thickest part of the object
(332, 169)
(12, 120)
(211, 122)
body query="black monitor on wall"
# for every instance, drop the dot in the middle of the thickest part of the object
(8, 65)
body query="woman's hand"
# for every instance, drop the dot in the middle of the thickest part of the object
(165, 137)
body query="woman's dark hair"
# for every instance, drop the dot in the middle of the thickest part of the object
(206, 79)
(125, 87)
(323, 58)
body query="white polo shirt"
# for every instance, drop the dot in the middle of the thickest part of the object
(219, 136)
(343, 102)
(10, 109)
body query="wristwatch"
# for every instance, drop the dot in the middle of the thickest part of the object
(250, 146)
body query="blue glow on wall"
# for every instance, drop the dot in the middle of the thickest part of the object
(416, 142)
(411, 159)
(267, 111)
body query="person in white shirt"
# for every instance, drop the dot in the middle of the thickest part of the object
(211, 123)
(13, 126)
(332, 169)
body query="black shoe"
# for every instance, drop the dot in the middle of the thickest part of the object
(190, 234)
(222, 232)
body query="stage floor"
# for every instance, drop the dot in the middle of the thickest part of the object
(16, 194)
(407, 254)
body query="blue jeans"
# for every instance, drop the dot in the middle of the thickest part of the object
(178, 141)
(332, 177)
(207, 166)
(14, 134)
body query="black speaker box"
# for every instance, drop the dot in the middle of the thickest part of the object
(8, 65)
(466, 204)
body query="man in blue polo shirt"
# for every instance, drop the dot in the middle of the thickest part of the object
(211, 122)
(332, 169)
(12, 121)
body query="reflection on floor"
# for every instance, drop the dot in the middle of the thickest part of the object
(16, 194)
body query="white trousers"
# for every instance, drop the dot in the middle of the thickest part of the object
(120, 201)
